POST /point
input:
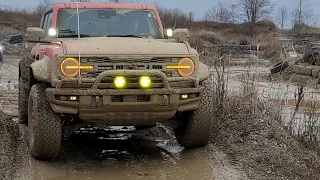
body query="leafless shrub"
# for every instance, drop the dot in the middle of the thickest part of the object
(282, 16)
(222, 13)
(306, 127)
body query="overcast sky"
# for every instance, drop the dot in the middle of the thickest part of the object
(196, 6)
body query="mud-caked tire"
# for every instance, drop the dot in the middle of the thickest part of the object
(44, 126)
(196, 127)
(311, 60)
(317, 61)
(23, 101)
(280, 66)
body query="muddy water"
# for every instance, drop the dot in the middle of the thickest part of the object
(121, 154)
(113, 153)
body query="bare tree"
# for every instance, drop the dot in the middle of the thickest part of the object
(222, 13)
(43, 6)
(210, 14)
(302, 15)
(295, 16)
(282, 17)
(254, 10)
(191, 16)
(79, 0)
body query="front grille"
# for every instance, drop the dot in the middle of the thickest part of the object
(104, 64)
(135, 98)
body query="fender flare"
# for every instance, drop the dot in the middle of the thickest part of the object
(204, 72)
(40, 69)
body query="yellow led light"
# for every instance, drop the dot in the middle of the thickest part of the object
(77, 67)
(69, 62)
(145, 81)
(178, 67)
(120, 81)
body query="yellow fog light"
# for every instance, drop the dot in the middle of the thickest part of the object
(120, 81)
(145, 81)
(185, 67)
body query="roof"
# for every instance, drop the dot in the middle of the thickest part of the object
(102, 5)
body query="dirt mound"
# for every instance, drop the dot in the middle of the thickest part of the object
(16, 49)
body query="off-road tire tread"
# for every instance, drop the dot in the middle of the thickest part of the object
(317, 61)
(197, 131)
(47, 128)
(23, 101)
(24, 89)
(311, 60)
(280, 66)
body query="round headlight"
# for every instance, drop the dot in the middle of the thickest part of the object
(68, 67)
(186, 62)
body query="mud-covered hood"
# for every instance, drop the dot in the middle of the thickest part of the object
(115, 45)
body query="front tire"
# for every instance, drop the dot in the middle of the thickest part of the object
(23, 102)
(44, 126)
(196, 127)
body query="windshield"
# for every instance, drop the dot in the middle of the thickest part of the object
(108, 22)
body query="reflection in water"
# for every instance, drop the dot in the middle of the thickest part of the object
(117, 155)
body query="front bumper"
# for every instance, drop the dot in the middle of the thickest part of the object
(125, 106)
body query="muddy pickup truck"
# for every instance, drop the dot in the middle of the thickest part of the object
(111, 64)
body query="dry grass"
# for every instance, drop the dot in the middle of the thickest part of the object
(253, 133)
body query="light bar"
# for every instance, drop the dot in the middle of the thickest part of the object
(178, 67)
(77, 67)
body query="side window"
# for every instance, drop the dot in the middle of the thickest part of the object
(45, 20)
(47, 23)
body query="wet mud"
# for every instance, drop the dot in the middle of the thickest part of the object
(112, 152)
(107, 153)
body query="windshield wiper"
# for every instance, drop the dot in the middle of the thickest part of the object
(130, 35)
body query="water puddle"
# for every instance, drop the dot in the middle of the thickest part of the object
(91, 154)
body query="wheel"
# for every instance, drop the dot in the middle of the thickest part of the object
(196, 127)
(311, 60)
(279, 67)
(44, 126)
(23, 102)
(317, 61)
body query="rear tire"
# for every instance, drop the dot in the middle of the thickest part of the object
(197, 125)
(44, 126)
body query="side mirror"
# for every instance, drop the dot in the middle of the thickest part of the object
(181, 35)
(35, 34)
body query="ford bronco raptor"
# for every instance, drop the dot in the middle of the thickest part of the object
(110, 64)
